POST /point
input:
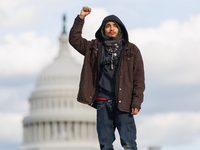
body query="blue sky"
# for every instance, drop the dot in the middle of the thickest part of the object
(167, 33)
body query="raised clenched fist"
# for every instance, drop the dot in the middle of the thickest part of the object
(84, 12)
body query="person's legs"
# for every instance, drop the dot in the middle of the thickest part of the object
(105, 124)
(127, 130)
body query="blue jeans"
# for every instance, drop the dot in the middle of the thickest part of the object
(110, 117)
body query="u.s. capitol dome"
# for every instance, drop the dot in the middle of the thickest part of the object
(56, 121)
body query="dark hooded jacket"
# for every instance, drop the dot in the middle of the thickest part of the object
(130, 73)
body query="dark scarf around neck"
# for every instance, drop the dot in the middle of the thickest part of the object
(110, 41)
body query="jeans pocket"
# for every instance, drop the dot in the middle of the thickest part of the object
(100, 104)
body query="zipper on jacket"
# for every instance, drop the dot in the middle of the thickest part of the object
(117, 75)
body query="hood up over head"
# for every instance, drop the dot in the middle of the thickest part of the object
(112, 18)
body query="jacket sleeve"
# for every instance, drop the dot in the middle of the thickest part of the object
(76, 39)
(138, 81)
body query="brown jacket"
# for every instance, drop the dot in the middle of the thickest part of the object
(130, 75)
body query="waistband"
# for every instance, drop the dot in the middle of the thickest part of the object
(103, 99)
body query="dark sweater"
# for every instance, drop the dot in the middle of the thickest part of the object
(107, 80)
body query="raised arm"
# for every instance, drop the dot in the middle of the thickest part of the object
(75, 35)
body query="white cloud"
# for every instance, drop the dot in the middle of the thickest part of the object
(171, 51)
(25, 53)
(14, 99)
(16, 13)
(168, 129)
(93, 22)
(11, 127)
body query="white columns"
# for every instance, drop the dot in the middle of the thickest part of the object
(35, 132)
(47, 131)
(90, 130)
(29, 133)
(40, 131)
(76, 130)
(54, 127)
(69, 130)
(83, 130)
(62, 130)
(59, 131)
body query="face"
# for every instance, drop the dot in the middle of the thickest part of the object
(111, 29)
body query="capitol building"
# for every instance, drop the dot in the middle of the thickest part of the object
(56, 121)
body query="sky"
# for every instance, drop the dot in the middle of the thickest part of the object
(166, 32)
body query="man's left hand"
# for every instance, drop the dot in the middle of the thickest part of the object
(134, 111)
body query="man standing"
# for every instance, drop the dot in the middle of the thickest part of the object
(112, 79)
